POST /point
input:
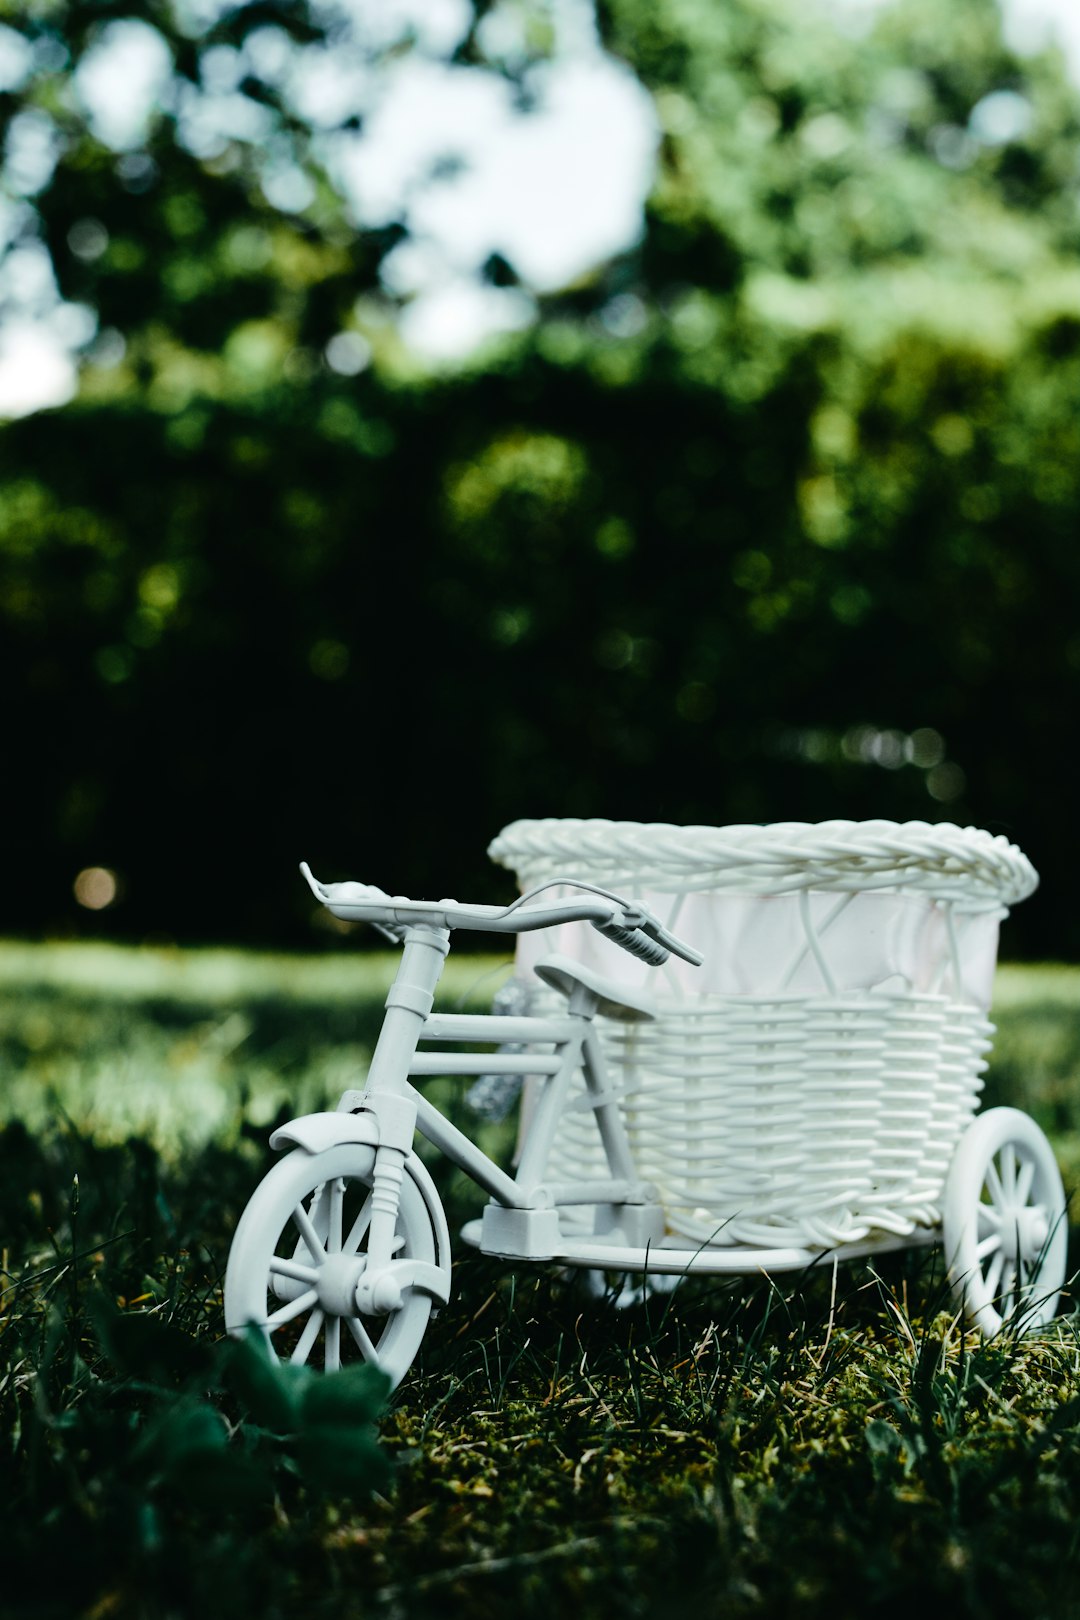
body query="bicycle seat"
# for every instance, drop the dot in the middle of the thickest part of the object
(565, 975)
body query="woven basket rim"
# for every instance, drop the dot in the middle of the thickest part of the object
(941, 859)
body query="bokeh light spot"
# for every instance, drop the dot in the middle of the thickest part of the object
(96, 887)
(329, 660)
(945, 782)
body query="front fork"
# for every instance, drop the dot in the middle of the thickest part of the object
(377, 1292)
(353, 1122)
(388, 1096)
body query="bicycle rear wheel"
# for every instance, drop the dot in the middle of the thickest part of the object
(1004, 1223)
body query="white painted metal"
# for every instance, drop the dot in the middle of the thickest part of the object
(671, 1256)
(1004, 1225)
(300, 1274)
(736, 1133)
(301, 1249)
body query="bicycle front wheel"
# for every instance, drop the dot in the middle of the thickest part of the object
(301, 1245)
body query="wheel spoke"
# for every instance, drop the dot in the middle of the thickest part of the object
(1024, 1181)
(359, 1333)
(307, 1338)
(281, 1267)
(1002, 1208)
(308, 1233)
(337, 1198)
(300, 1250)
(989, 1245)
(358, 1228)
(295, 1307)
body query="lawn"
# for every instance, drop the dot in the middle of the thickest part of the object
(823, 1445)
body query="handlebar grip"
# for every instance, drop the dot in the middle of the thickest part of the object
(636, 941)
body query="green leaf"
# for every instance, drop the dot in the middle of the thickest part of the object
(269, 1391)
(187, 1431)
(355, 1396)
(349, 1461)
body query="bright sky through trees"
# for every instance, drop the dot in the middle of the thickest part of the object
(553, 190)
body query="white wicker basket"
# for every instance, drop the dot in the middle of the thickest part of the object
(808, 1085)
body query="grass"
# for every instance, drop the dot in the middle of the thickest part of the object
(825, 1445)
(187, 1048)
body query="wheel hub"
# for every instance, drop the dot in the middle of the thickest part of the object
(336, 1283)
(1024, 1232)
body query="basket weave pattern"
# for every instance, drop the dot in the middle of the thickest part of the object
(786, 1119)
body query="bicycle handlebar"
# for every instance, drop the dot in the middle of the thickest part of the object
(628, 923)
(636, 941)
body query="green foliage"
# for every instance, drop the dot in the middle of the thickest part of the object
(327, 1421)
(766, 1451)
(144, 1458)
(170, 232)
(824, 1446)
(195, 1049)
(818, 1445)
(771, 518)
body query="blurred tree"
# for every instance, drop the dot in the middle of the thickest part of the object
(862, 248)
(831, 458)
(168, 542)
(773, 517)
(172, 159)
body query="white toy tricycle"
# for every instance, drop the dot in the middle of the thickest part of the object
(797, 1079)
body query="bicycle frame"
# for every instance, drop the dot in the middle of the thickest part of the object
(294, 1255)
(522, 1219)
(391, 1260)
